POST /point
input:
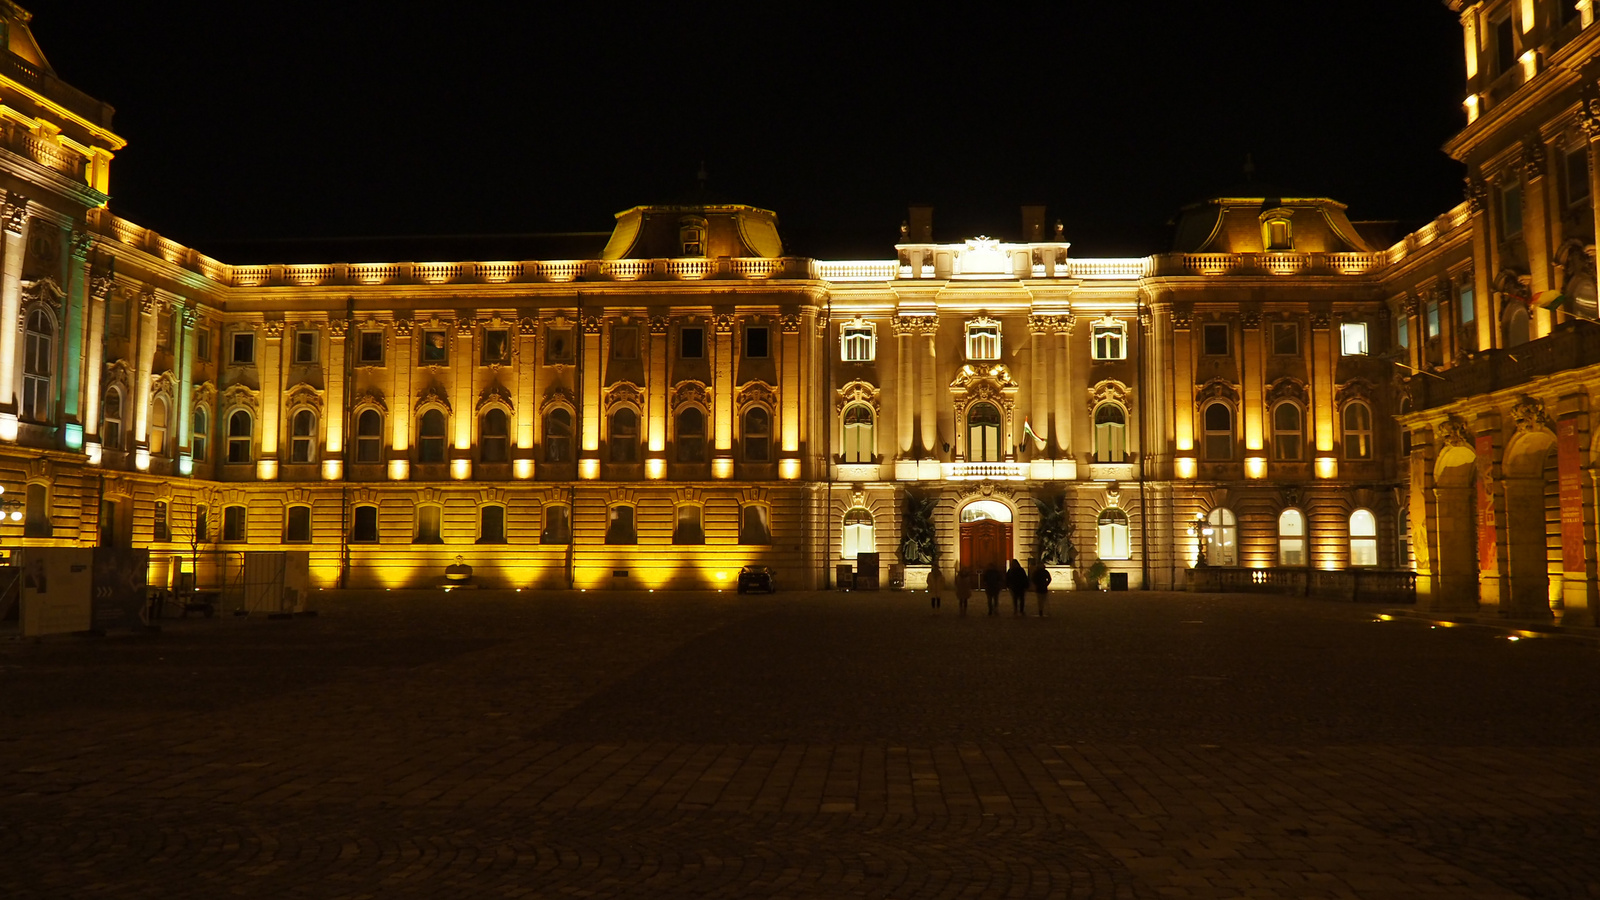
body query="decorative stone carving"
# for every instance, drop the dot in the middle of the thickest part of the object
(1476, 193)
(1354, 389)
(404, 327)
(43, 290)
(757, 392)
(303, 394)
(1217, 389)
(369, 395)
(1321, 321)
(557, 395)
(494, 393)
(974, 490)
(238, 395)
(1452, 432)
(790, 324)
(1533, 159)
(1182, 316)
(15, 213)
(691, 392)
(723, 325)
(1286, 389)
(857, 392)
(1530, 415)
(433, 395)
(591, 324)
(624, 392)
(969, 375)
(659, 325)
(1109, 390)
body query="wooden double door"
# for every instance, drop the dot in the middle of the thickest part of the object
(985, 543)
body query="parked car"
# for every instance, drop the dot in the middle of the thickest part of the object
(756, 578)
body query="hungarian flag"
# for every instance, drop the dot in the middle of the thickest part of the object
(1027, 431)
(1549, 300)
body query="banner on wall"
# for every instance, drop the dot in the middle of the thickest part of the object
(1486, 542)
(1569, 484)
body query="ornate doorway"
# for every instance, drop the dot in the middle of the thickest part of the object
(985, 535)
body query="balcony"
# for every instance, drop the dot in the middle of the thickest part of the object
(1572, 345)
(984, 471)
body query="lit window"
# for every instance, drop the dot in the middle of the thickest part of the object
(687, 528)
(983, 340)
(302, 436)
(624, 436)
(757, 435)
(233, 523)
(1357, 430)
(1217, 419)
(370, 349)
(429, 519)
(691, 436)
(756, 342)
(1112, 527)
(1214, 336)
(158, 426)
(1291, 538)
(1222, 544)
(202, 524)
(1465, 302)
(1353, 338)
(858, 343)
(435, 348)
(492, 525)
(859, 446)
(692, 235)
(305, 346)
(241, 431)
(619, 526)
(1110, 433)
(983, 433)
(1402, 329)
(364, 525)
(244, 348)
(1278, 234)
(111, 420)
(38, 363)
(1287, 426)
(494, 436)
(1430, 319)
(558, 436)
(1110, 340)
(1285, 338)
(297, 525)
(1363, 538)
(430, 437)
(754, 527)
(202, 430)
(858, 533)
(557, 526)
(369, 436)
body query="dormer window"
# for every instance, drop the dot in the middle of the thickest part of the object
(692, 235)
(1110, 339)
(1277, 234)
(983, 339)
(858, 342)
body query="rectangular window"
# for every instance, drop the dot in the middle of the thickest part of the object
(364, 527)
(435, 348)
(625, 342)
(492, 525)
(1577, 175)
(1505, 46)
(164, 332)
(1109, 340)
(496, 347)
(370, 352)
(691, 342)
(557, 529)
(983, 341)
(1432, 319)
(1215, 338)
(244, 348)
(1285, 339)
(688, 529)
(1465, 300)
(755, 342)
(305, 347)
(558, 346)
(202, 525)
(202, 343)
(1402, 329)
(619, 527)
(1511, 210)
(162, 531)
(233, 523)
(117, 317)
(297, 527)
(428, 525)
(1353, 338)
(858, 343)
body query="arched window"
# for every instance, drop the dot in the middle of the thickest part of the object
(1291, 538)
(691, 435)
(492, 524)
(369, 436)
(429, 520)
(558, 436)
(1363, 538)
(158, 426)
(36, 521)
(624, 436)
(111, 420)
(1113, 534)
(302, 436)
(494, 436)
(754, 524)
(233, 523)
(297, 525)
(858, 440)
(688, 527)
(619, 525)
(1110, 433)
(983, 433)
(430, 437)
(1287, 432)
(241, 431)
(757, 435)
(1515, 324)
(1222, 544)
(364, 526)
(1357, 430)
(38, 364)
(557, 526)
(858, 533)
(200, 441)
(1217, 419)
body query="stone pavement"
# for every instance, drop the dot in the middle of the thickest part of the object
(804, 745)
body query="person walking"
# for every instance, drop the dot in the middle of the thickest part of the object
(1040, 576)
(964, 583)
(935, 586)
(992, 582)
(1017, 581)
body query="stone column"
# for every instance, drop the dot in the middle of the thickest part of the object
(591, 367)
(657, 390)
(148, 308)
(1416, 338)
(400, 401)
(271, 368)
(1487, 313)
(1254, 412)
(184, 427)
(74, 334)
(790, 395)
(905, 422)
(337, 415)
(15, 228)
(1324, 360)
(1183, 430)
(462, 368)
(93, 362)
(1039, 378)
(1536, 230)
(1061, 390)
(928, 384)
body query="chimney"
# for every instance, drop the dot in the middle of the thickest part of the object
(1033, 225)
(921, 230)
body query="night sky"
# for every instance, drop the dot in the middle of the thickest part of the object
(338, 119)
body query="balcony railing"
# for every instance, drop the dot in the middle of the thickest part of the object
(1368, 585)
(984, 471)
(20, 70)
(1571, 345)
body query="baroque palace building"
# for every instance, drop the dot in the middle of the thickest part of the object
(1285, 392)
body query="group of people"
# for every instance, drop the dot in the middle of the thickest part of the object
(1015, 578)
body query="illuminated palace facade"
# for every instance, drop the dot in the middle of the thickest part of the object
(692, 399)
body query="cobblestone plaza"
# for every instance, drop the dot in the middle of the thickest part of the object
(805, 745)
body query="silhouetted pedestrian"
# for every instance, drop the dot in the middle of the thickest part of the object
(1017, 581)
(935, 586)
(1040, 576)
(964, 584)
(992, 582)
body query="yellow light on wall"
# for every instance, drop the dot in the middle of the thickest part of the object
(460, 469)
(1255, 467)
(266, 469)
(92, 450)
(655, 469)
(1327, 467)
(589, 469)
(332, 469)
(1530, 64)
(1185, 466)
(185, 465)
(722, 468)
(522, 468)
(8, 426)
(399, 469)
(1471, 105)
(141, 459)
(789, 469)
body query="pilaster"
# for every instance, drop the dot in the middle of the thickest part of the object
(272, 368)
(15, 231)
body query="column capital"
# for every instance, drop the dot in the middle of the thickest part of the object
(403, 327)
(1476, 193)
(659, 325)
(15, 213)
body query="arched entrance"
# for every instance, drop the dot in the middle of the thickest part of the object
(985, 535)
(1532, 516)
(1456, 532)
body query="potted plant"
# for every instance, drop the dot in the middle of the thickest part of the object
(1098, 573)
